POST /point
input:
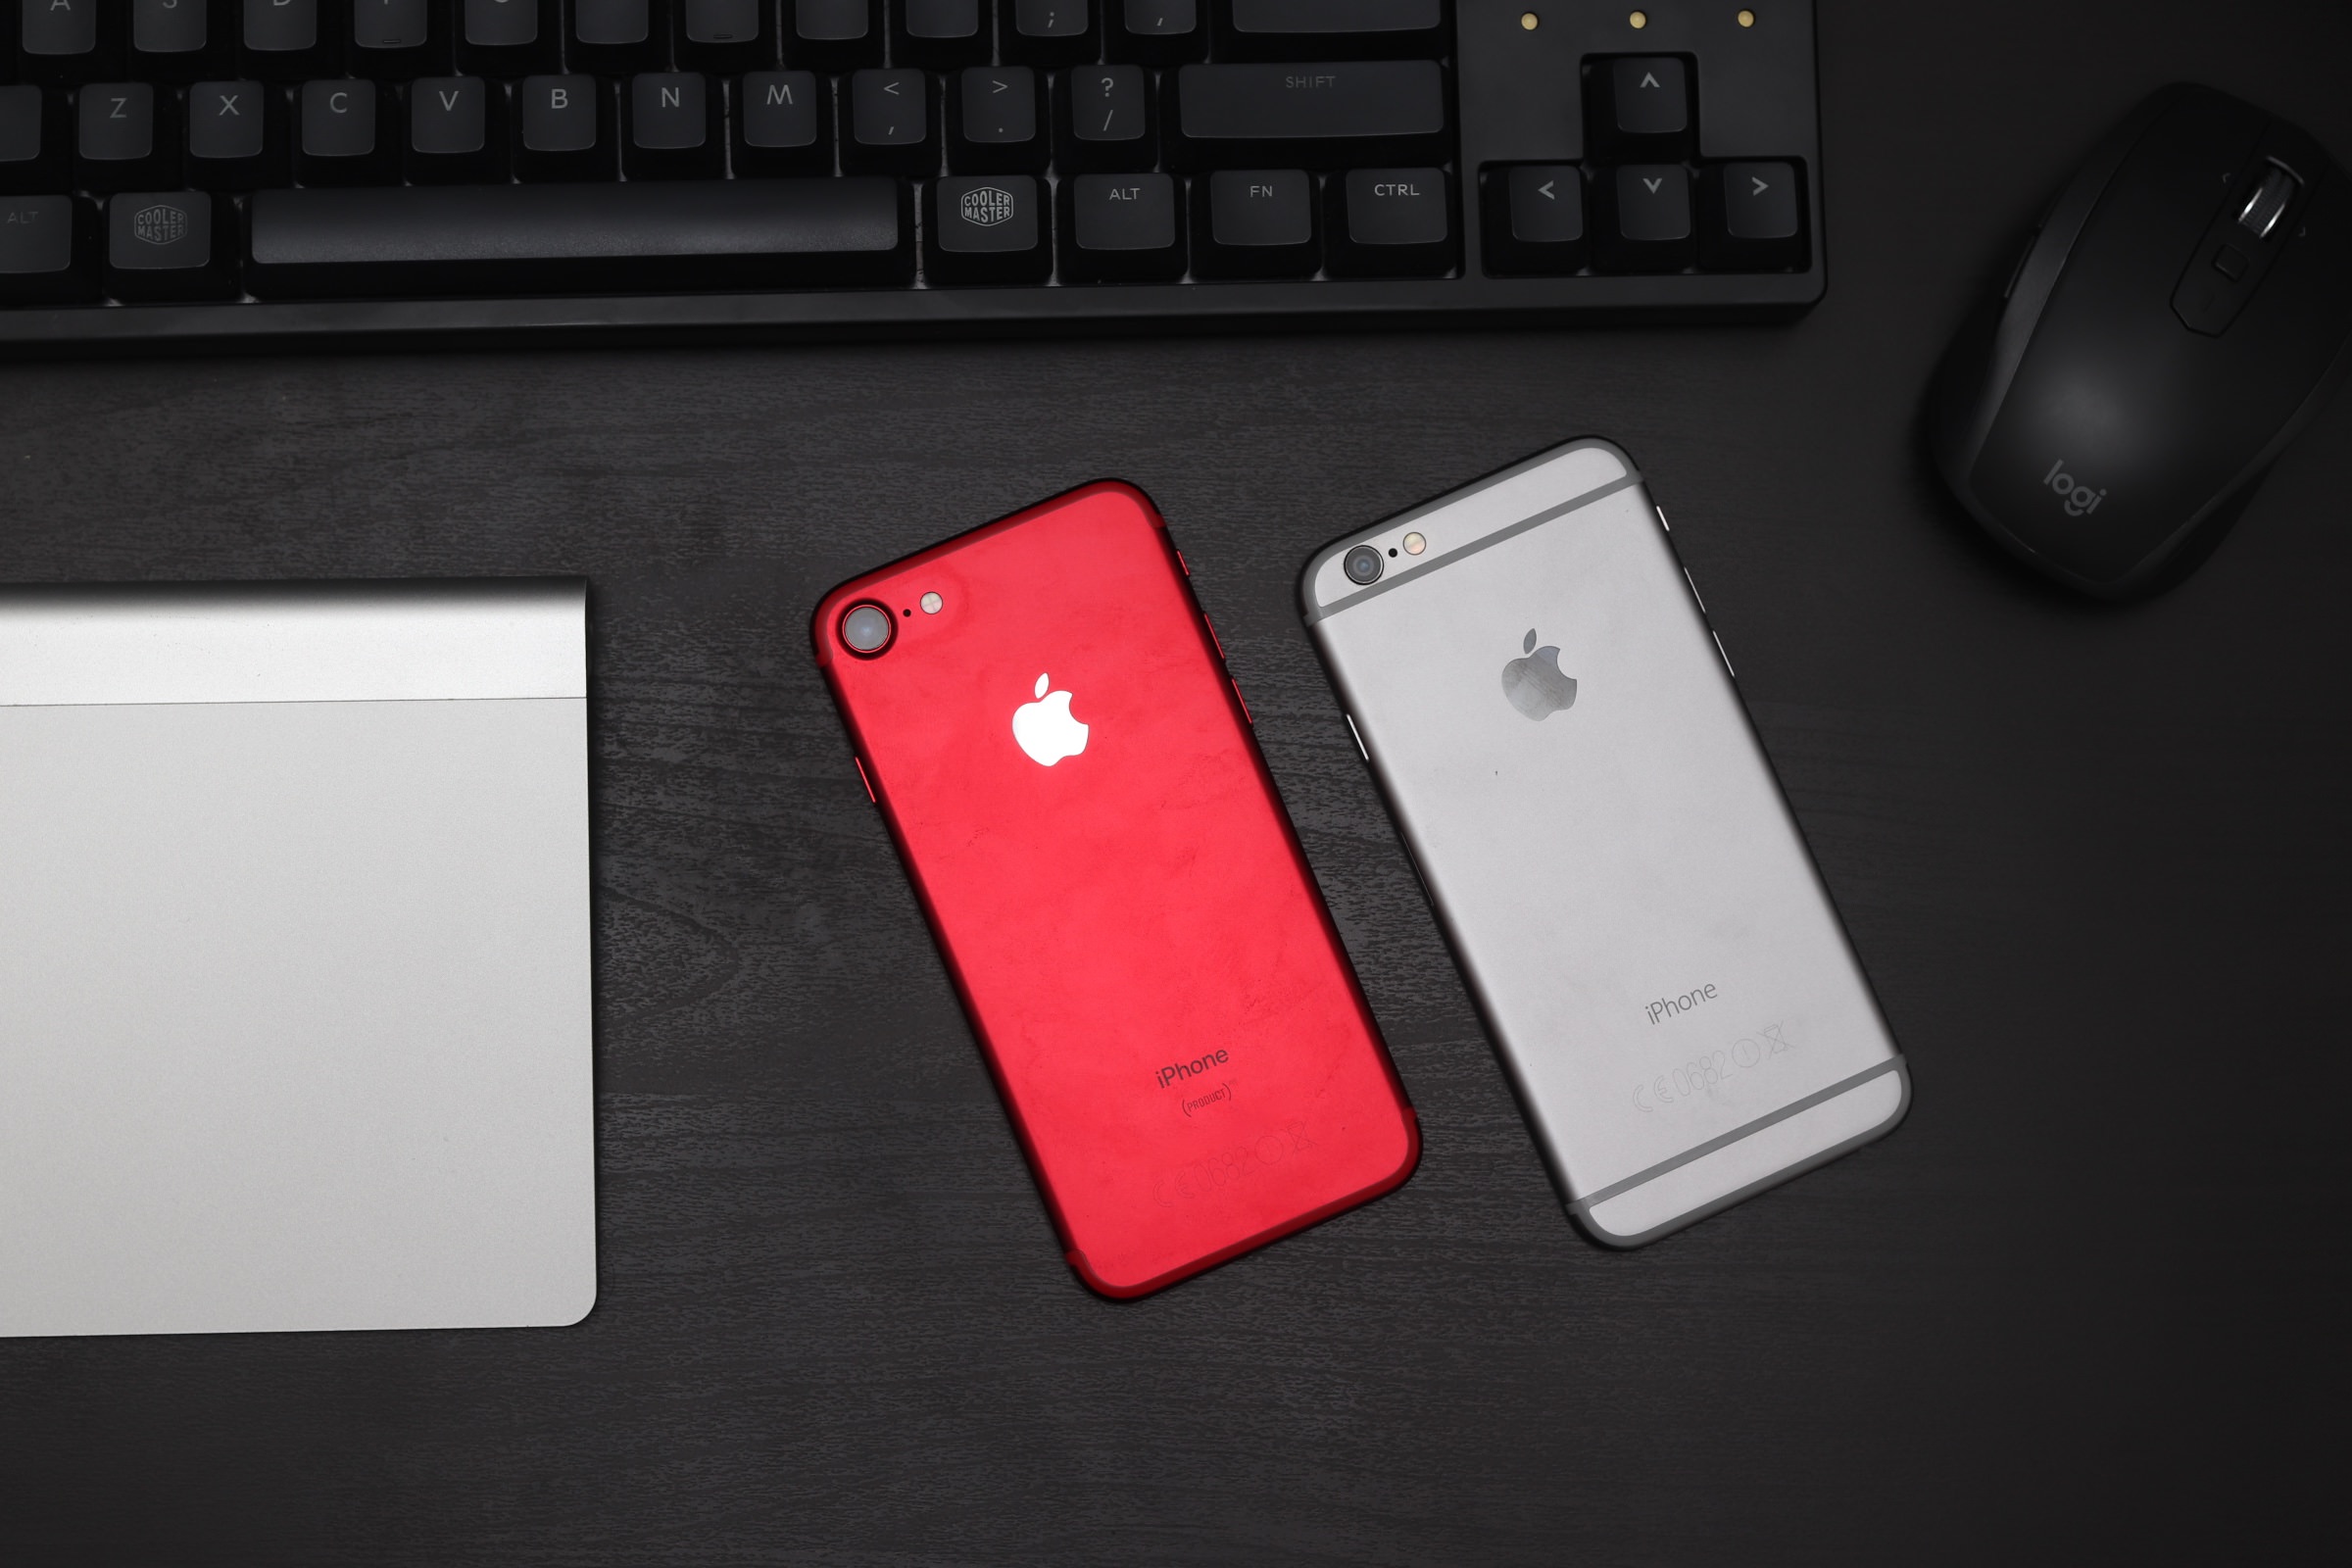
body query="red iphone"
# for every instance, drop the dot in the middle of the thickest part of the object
(1043, 714)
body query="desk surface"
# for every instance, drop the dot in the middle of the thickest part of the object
(2086, 1301)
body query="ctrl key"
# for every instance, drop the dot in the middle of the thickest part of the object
(166, 245)
(46, 248)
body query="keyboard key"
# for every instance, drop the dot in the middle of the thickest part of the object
(1345, 111)
(987, 228)
(833, 34)
(1121, 229)
(1157, 31)
(501, 23)
(292, 40)
(34, 131)
(166, 245)
(723, 36)
(1753, 218)
(890, 124)
(610, 37)
(180, 40)
(236, 136)
(533, 239)
(1047, 33)
(567, 124)
(1536, 220)
(940, 34)
(1278, 29)
(1650, 229)
(380, 29)
(673, 129)
(994, 123)
(456, 134)
(339, 138)
(1106, 118)
(1392, 222)
(119, 144)
(46, 254)
(66, 42)
(1640, 106)
(1256, 222)
(782, 123)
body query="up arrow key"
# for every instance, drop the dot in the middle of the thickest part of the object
(1648, 80)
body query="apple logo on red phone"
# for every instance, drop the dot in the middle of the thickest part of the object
(1534, 683)
(1045, 728)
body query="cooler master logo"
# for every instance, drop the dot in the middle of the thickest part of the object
(986, 206)
(2080, 498)
(159, 225)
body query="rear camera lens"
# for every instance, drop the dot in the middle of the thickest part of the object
(867, 630)
(1364, 566)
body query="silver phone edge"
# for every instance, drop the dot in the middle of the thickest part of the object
(1577, 1205)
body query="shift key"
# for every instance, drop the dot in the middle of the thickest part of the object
(1338, 111)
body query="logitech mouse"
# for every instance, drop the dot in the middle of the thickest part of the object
(2183, 310)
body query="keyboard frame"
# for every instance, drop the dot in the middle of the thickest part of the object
(1469, 299)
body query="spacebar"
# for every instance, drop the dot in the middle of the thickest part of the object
(548, 239)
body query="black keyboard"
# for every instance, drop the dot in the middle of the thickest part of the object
(183, 170)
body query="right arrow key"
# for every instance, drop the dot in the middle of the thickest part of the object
(1752, 218)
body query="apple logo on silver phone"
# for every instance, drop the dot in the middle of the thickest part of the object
(1045, 728)
(1534, 683)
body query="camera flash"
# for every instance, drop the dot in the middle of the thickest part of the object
(1415, 544)
(931, 603)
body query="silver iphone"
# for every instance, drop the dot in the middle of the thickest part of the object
(1531, 675)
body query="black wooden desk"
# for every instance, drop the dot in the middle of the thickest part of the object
(2087, 1304)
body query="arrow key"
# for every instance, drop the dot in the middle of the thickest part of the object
(1752, 218)
(1535, 219)
(1641, 105)
(1648, 228)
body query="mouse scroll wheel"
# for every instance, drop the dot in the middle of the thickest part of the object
(2272, 195)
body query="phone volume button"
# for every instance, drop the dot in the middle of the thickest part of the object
(1725, 654)
(1239, 698)
(1358, 736)
(862, 779)
(1695, 593)
(1212, 633)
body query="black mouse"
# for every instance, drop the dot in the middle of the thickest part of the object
(2183, 310)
